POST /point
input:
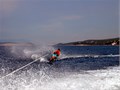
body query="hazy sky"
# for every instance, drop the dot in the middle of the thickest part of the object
(54, 21)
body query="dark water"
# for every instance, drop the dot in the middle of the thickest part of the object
(96, 50)
(89, 57)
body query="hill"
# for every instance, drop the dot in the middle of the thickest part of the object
(112, 41)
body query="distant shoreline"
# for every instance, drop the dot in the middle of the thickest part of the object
(15, 44)
(87, 45)
(93, 42)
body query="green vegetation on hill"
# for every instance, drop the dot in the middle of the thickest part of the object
(113, 41)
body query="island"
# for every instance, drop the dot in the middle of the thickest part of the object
(111, 41)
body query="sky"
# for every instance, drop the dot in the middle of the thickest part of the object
(58, 21)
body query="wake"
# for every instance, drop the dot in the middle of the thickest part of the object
(67, 57)
(89, 56)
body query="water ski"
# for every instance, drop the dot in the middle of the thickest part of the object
(52, 60)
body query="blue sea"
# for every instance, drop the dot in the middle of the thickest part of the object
(77, 68)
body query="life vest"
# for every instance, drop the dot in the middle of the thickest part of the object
(57, 52)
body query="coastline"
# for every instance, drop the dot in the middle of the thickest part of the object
(15, 44)
(88, 45)
(94, 42)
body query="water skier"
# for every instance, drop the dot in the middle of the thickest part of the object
(55, 55)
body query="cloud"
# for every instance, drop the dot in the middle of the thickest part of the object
(58, 23)
(72, 17)
(52, 26)
(8, 6)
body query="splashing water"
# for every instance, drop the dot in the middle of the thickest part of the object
(38, 80)
(66, 74)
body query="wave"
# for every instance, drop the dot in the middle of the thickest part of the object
(82, 56)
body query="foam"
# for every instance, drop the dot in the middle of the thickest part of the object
(108, 79)
(89, 55)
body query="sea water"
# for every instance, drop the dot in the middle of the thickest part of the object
(78, 68)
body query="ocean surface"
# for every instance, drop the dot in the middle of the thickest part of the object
(78, 68)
